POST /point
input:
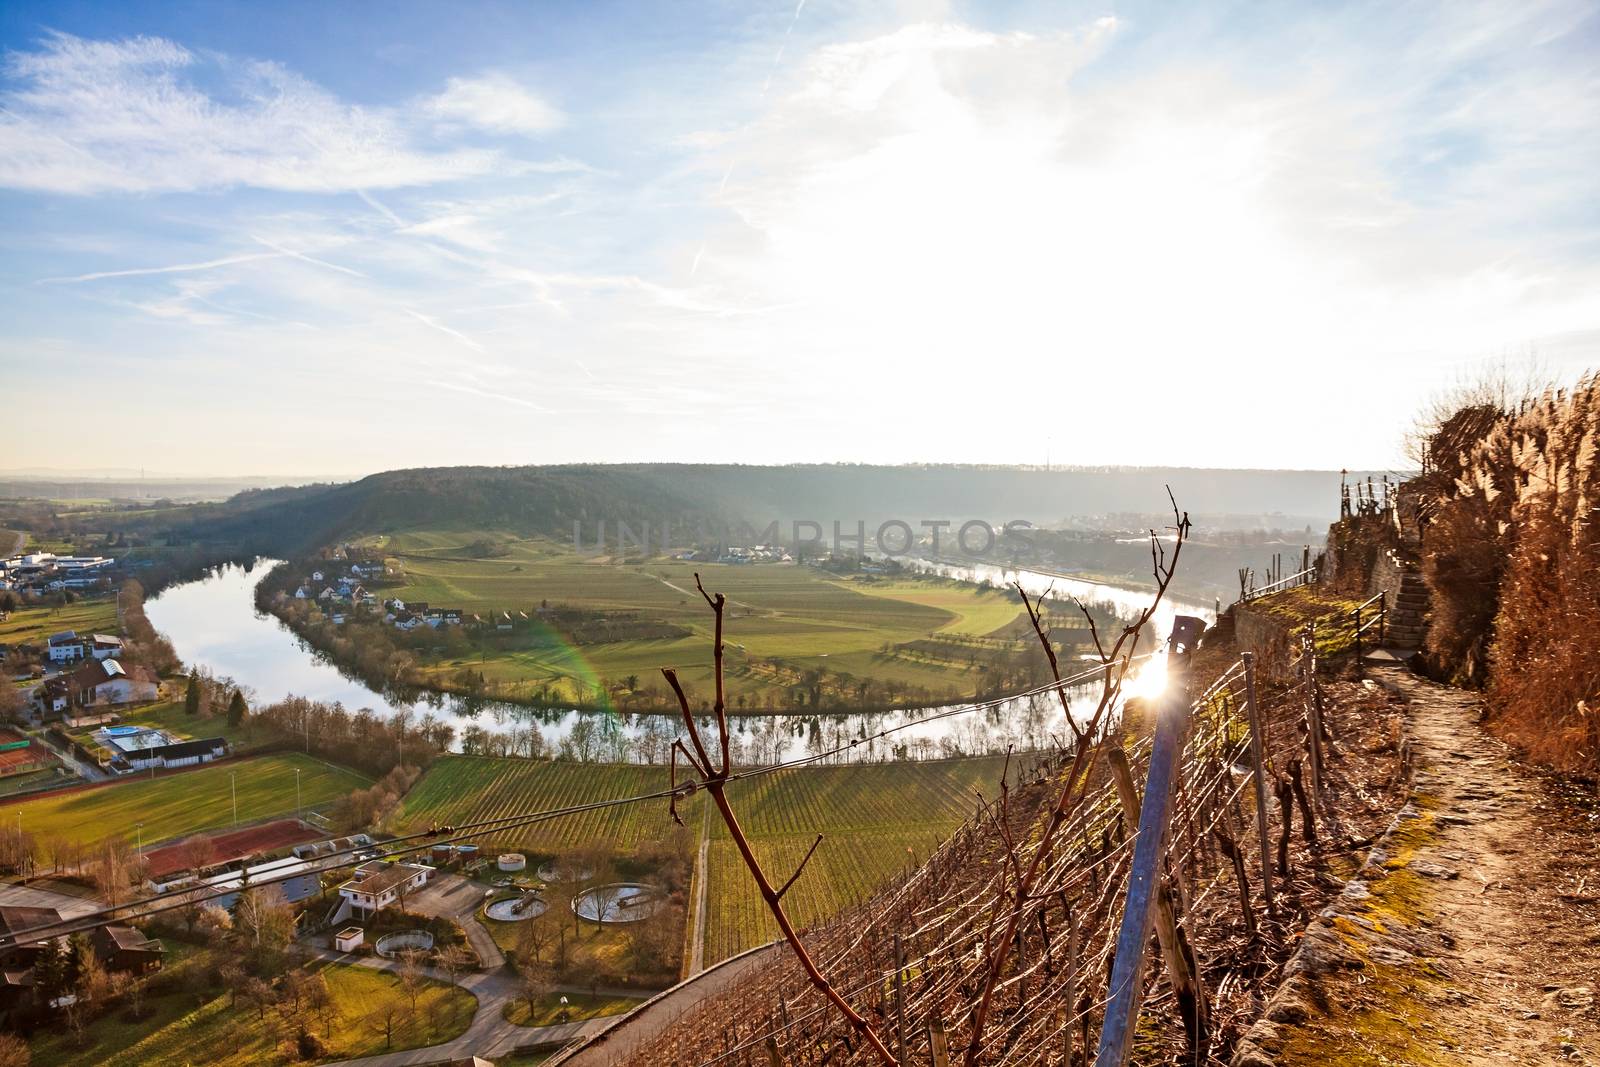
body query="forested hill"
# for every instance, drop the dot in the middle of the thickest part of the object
(548, 500)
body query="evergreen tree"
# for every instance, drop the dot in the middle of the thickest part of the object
(236, 709)
(49, 971)
(191, 699)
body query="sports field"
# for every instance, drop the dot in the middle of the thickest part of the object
(877, 819)
(783, 620)
(184, 802)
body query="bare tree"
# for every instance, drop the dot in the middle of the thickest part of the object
(534, 986)
(386, 1017)
(412, 979)
(454, 961)
(714, 778)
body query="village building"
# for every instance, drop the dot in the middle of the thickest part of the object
(65, 647)
(54, 695)
(377, 884)
(295, 879)
(125, 950)
(103, 646)
(17, 958)
(137, 748)
(106, 681)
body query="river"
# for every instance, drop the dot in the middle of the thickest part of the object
(213, 622)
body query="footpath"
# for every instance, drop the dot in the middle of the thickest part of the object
(1472, 934)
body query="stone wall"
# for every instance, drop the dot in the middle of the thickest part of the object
(1266, 636)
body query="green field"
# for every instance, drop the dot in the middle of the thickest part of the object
(876, 819)
(178, 1033)
(186, 802)
(90, 615)
(782, 621)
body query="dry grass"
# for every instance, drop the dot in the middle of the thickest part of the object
(1513, 563)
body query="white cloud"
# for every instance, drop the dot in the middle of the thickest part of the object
(941, 201)
(86, 116)
(496, 103)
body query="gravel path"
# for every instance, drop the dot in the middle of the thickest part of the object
(1470, 937)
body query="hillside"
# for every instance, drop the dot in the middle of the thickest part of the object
(548, 500)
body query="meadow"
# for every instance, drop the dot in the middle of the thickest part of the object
(35, 625)
(877, 820)
(185, 802)
(783, 621)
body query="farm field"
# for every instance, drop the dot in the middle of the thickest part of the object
(800, 617)
(186, 802)
(35, 625)
(177, 1033)
(876, 818)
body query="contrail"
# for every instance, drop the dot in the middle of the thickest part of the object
(176, 268)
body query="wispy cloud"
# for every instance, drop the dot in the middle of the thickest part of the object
(493, 102)
(84, 116)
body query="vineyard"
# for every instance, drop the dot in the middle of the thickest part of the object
(460, 789)
(877, 818)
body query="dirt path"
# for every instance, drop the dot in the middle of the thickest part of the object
(1472, 935)
(697, 927)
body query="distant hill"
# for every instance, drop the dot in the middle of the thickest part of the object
(548, 500)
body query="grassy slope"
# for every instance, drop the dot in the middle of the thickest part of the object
(94, 615)
(797, 614)
(871, 815)
(187, 802)
(178, 1033)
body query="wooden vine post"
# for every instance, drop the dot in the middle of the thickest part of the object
(1258, 766)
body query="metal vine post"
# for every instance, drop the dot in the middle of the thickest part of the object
(1115, 662)
(714, 780)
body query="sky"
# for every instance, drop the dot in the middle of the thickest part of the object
(239, 238)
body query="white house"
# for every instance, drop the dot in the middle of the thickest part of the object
(378, 884)
(65, 647)
(102, 646)
(104, 681)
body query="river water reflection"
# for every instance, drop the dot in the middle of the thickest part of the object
(213, 622)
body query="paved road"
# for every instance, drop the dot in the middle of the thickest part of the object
(24, 896)
(451, 896)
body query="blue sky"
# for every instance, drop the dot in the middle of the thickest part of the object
(337, 238)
